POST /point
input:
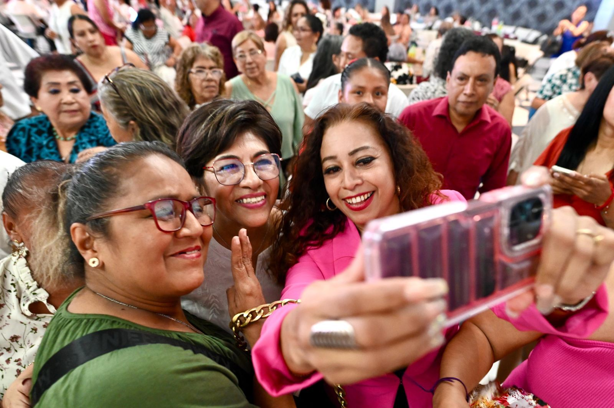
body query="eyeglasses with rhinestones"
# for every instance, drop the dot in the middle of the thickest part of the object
(231, 171)
(201, 73)
(169, 214)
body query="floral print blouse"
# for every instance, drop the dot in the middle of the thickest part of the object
(21, 331)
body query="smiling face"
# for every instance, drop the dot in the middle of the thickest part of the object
(63, 99)
(471, 81)
(87, 38)
(367, 85)
(358, 172)
(249, 203)
(204, 89)
(137, 257)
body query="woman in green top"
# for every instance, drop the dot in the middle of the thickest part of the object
(138, 234)
(278, 93)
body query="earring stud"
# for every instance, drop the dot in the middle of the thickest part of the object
(94, 262)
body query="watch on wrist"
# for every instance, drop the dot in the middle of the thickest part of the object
(577, 306)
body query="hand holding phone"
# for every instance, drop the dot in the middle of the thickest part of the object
(487, 250)
(563, 170)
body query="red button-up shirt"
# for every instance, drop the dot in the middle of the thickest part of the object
(219, 29)
(478, 154)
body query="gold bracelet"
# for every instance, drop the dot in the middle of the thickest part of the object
(244, 319)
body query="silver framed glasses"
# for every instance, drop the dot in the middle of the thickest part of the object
(231, 171)
(202, 73)
(252, 54)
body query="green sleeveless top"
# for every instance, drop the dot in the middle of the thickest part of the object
(155, 375)
(286, 109)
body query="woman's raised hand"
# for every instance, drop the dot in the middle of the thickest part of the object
(395, 322)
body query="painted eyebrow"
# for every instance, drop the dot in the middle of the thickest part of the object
(352, 153)
(232, 156)
(59, 83)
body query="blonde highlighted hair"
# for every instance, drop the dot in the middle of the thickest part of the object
(184, 65)
(243, 36)
(141, 97)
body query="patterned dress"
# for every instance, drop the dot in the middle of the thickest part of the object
(565, 81)
(32, 139)
(152, 51)
(21, 331)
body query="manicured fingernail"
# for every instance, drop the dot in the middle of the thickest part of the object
(556, 175)
(545, 298)
(512, 314)
(437, 340)
(437, 285)
(437, 325)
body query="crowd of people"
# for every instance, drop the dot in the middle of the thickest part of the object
(185, 187)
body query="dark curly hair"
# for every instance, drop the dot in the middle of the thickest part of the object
(452, 42)
(306, 223)
(38, 67)
(374, 40)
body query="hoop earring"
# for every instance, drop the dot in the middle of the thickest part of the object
(330, 205)
(19, 250)
(94, 262)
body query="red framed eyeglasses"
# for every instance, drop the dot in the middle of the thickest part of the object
(169, 214)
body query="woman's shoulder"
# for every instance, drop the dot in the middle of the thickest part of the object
(26, 126)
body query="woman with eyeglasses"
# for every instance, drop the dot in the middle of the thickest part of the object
(95, 57)
(139, 106)
(200, 75)
(138, 233)
(276, 92)
(232, 151)
(67, 130)
(297, 61)
(153, 45)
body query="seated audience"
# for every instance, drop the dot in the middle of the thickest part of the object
(200, 75)
(586, 149)
(554, 116)
(150, 43)
(573, 30)
(8, 164)
(59, 14)
(467, 141)
(232, 150)
(67, 127)
(435, 87)
(32, 286)
(294, 12)
(365, 80)
(432, 16)
(139, 106)
(95, 57)
(217, 26)
(502, 98)
(137, 262)
(276, 92)
(364, 40)
(433, 49)
(297, 61)
(568, 80)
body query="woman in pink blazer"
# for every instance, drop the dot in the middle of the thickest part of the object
(357, 165)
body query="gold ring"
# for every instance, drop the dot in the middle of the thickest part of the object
(585, 231)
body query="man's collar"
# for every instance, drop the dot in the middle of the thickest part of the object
(217, 11)
(443, 109)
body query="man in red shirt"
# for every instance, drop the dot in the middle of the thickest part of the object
(467, 141)
(217, 27)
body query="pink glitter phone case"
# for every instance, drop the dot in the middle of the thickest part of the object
(487, 249)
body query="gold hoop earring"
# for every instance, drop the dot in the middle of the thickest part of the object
(94, 262)
(330, 205)
(19, 250)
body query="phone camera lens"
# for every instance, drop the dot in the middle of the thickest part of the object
(525, 221)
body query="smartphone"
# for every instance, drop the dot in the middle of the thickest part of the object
(487, 249)
(297, 78)
(563, 170)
